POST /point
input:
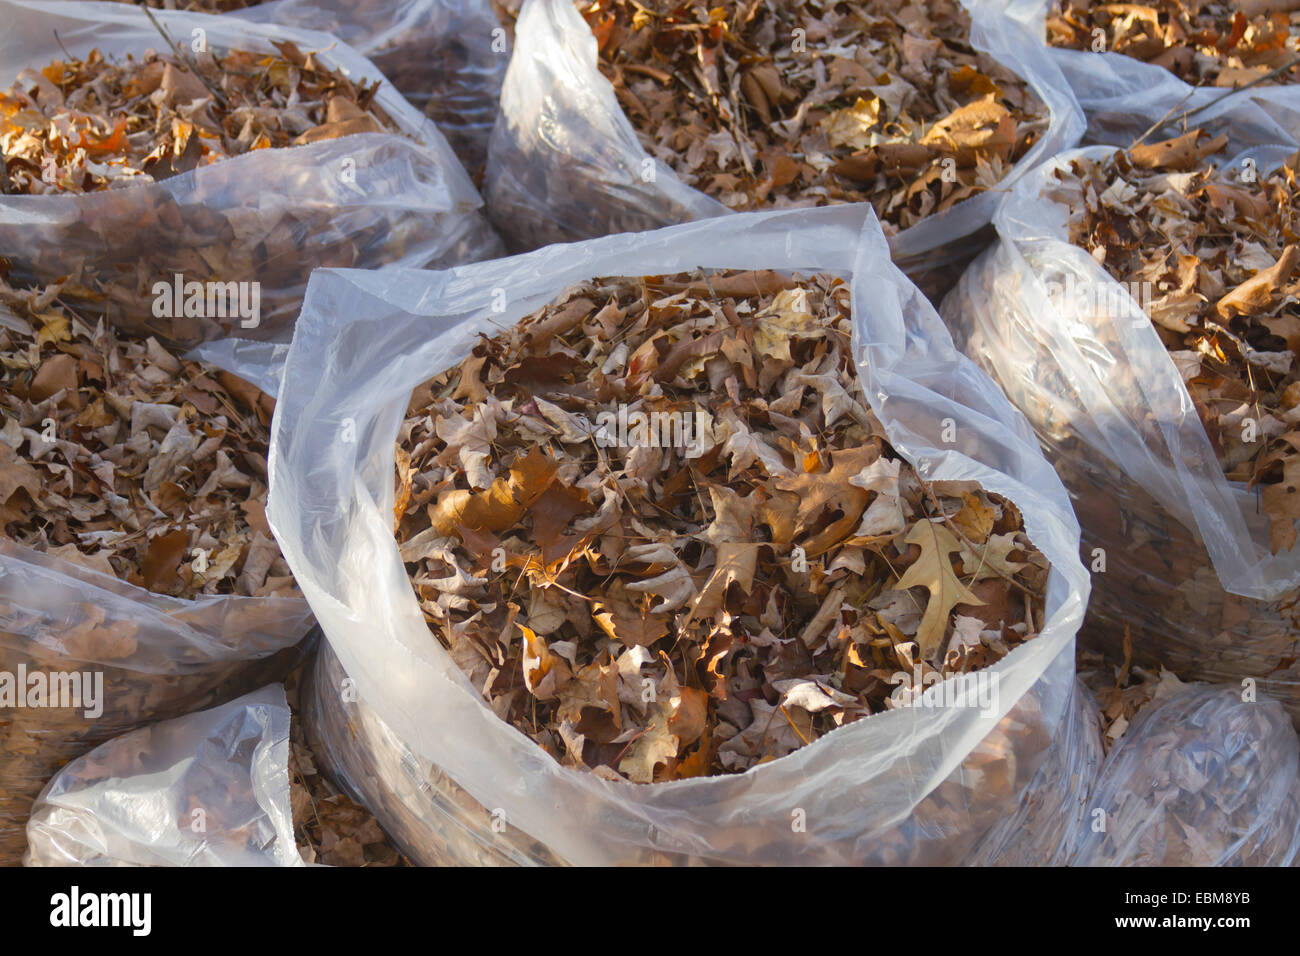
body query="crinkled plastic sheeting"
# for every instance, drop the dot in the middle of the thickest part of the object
(209, 789)
(137, 657)
(1188, 567)
(448, 57)
(422, 810)
(1056, 803)
(269, 216)
(438, 824)
(1202, 778)
(1123, 97)
(910, 785)
(565, 163)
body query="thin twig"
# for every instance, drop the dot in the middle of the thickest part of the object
(705, 277)
(1217, 100)
(958, 532)
(59, 40)
(1164, 119)
(1285, 67)
(180, 52)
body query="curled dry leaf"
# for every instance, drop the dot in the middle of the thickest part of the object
(1202, 42)
(689, 547)
(764, 104)
(1215, 263)
(119, 456)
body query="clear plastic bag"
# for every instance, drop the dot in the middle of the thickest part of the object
(1201, 778)
(269, 216)
(444, 56)
(1186, 557)
(565, 163)
(1055, 805)
(208, 789)
(152, 657)
(1123, 97)
(909, 785)
(260, 363)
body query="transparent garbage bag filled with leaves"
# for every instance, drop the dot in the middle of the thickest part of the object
(447, 57)
(137, 657)
(1201, 778)
(207, 789)
(1123, 97)
(565, 162)
(908, 785)
(268, 216)
(1182, 555)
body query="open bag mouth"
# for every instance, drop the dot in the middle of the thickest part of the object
(790, 109)
(223, 71)
(80, 125)
(601, 131)
(183, 169)
(656, 525)
(422, 321)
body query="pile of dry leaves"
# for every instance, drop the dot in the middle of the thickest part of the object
(81, 125)
(658, 525)
(1216, 263)
(329, 827)
(1214, 43)
(1122, 689)
(764, 103)
(119, 456)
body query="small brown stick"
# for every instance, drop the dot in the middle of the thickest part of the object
(1285, 67)
(180, 52)
(58, 39)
